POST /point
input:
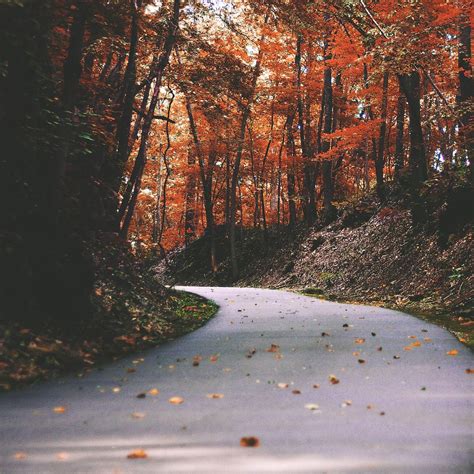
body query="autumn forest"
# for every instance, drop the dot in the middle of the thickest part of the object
(162, 121)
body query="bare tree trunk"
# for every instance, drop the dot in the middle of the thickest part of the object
(466, 90)
(379, 162)
(410, 84)
(399, 148)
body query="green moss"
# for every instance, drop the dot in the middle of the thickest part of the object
(190, 311)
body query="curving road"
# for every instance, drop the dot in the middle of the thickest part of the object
(392, 410)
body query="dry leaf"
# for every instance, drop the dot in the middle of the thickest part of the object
(427, 339)
(454, 352)
(296, 392)
(469, 371)
(407, 348)
(312, 406)
(359, 340)
(214, 358)
(416, 344)
(20, 455)
(215, 395)
(361, 361)
(333, 379)
(316, 385)
(137, 454)
(116, 389)
(141, 395)
(176, 400)
(62, 456)
(356, 354)
(282, 385)
(153, 392)
(249, 442)
(59, 409)
(138, 415)
(274, 348)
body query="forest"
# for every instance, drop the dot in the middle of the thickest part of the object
(244, 231)
(145, 125)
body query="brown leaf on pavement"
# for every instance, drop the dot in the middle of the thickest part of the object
(249, 442)
(176, 400)
(137, 454)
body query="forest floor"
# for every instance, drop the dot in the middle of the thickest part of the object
(415, 255)
(130, 311)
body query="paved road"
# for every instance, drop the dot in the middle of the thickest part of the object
(408, 414)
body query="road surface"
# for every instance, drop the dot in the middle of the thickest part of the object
(324, 387)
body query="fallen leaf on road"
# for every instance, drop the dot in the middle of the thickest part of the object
(137, 454)
(20, 455)
(116, 389)
(427, 339)
(361, 361)
(249, 442)
(356, 354)
(176, 400)
(412, 337)
(396, 357)
(131, 370)
(196, 360)
(274, 348)
(141, 395)
(250, 353)
(469, 371)
(59, 409)
(316, 385)
(153, 392)
(359, 340)
(407, 348)
(312, 406)
(214, 358)
(382, 413)
(333, 379)
(282, 385)
(296, 392)
(215, 395)
(416, 344)
(62, 456)
(278, 356)
(454, 352)
(138, 415)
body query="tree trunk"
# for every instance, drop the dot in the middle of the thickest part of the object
(379, 161)
(399, 148)
(410, 84)
(465, 98)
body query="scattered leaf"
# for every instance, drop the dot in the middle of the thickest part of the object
(138, 415)
(296, 392)
(282, 385)
(469, 371)
(20, 455)
(249, 442)
(59, 409)
(316, 385)
(382, 413)
(361, 361)
(215, 395)
(324, 334)
(359, 340)
(214, 358)
(141, 395)
(116, 389)
(333, 379)
(274, 348)
(137, 454)
(312, 406)
(62, 456)
(176, 400)
(153, 392)
(396, 357)
(454, 352)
